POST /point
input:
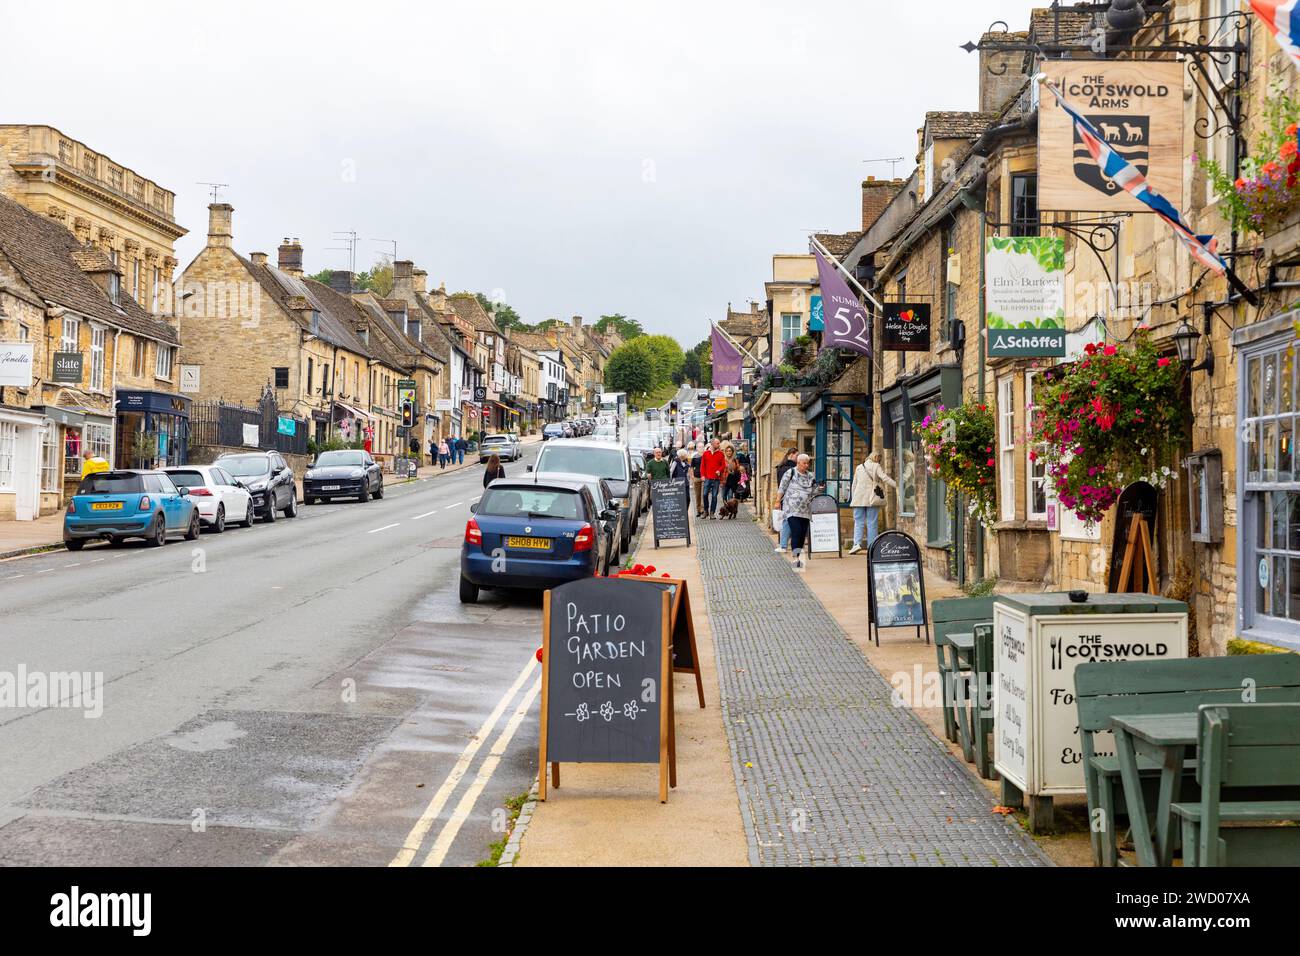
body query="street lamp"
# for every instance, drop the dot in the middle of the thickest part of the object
(1185, 340)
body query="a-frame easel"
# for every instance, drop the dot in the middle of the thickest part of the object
(1138, 559)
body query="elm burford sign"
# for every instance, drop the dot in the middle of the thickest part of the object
(1025, 295)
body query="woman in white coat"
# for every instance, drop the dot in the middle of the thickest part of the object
(867, 495)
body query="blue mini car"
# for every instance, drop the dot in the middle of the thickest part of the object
(128, 504)
(533, 536)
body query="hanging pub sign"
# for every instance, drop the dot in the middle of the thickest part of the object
(67, 367)
(906, 327)
(1138, 107)
(1024, 295)
(896, 584)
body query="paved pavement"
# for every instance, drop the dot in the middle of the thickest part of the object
(829, 772)
(307, 692)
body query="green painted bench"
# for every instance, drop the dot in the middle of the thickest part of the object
(1112, 688)
(953, 621)
(1244, 745)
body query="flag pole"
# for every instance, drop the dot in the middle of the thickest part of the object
(848, 275)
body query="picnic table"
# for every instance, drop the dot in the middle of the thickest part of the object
(1162, 739)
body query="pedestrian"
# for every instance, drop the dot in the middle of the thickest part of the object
(444, 453)
(697, 483)
(868, 494)
(461, 447)
(729, 465)
(493, 471)
(433, 452)
(682, 467)
(794, 497)
(731, 485)
(783, 541)
(658, 465)
(712, 463)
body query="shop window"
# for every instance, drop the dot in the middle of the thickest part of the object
(50, 461)
(8, 448)
(905, 452)
(1035, 468)
(99, 441)
(1007, 447)
(1024, 204)
(72, 448)
(838, 463)
(938, 519)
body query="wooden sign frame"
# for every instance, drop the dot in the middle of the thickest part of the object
(686, 512)
(667, 725)
(680, 628)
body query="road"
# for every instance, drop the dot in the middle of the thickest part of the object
(308, 692)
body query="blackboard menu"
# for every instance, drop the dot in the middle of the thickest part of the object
(906, 327)
(670, 501)
(895, 582)
(606, 664)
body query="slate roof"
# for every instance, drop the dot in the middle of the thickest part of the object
(468, 307)
(52, 263)
(953, 124)
(533, 341)
(414, 311)
(338, 317)
(1076, 26)
(379, 347)
(836, 243)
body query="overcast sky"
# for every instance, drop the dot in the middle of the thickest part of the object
(644, 158)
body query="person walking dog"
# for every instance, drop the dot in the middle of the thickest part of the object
(869, 482)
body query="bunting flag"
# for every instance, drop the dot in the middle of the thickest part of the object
(846, 323)
(1123, 173)
(1282, 17)
(726, 360)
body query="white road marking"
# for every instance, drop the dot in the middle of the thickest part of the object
(456, 505)
(45, 570)
(96, 561)
(463, 809)
(425, 515)
(384, 528)
(15, 577)
(75, 564)
(415, 839)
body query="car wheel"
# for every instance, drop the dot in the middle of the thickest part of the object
(249, 514)
(308, 500)
(379, 492)
(468, 591)
(219, 525)
(192, 531)
(365, 493)
(270, 512)
(158, 533)
(291, 511)
(75, 544)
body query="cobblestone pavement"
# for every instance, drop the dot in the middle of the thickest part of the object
(830, 773)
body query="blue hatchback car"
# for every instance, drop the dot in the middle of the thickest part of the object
(128, 504)
(533, 536)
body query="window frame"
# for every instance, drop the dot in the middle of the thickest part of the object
(788, 334)
(98, 347)
(904, 449)
(1021, 223)
(1035, 472)
(163, 369)
(1007, 447)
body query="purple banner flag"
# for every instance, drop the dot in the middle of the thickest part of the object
(726, 360)
(847, 324)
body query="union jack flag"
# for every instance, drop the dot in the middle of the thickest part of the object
(1282, 17)
(1116, 168)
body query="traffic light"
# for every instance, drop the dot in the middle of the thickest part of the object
(408, 414)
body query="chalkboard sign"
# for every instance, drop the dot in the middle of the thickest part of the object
(681, 627)
(895, 584)
(670, 502)
(606, 678)
(824, 526)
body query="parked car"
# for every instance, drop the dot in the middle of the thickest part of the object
(219, 496)
(590, 456)
(506, 446)
(603, 495)
(116, 505)
(345, 473)
(553, 430)
(268, 478)
(547, 530)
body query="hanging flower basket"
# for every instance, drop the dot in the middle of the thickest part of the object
(958, 445)
(1112, 418)
(1266, 194)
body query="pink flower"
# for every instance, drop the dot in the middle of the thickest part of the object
(1109, 350)
(1162, 362)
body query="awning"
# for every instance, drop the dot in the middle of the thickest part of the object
(355, 412)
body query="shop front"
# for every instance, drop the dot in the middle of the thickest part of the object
(153, 430)
(352, 425)
(22, 433)
(76, 435)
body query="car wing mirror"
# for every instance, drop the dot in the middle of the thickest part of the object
(182, 491)
(473, 507)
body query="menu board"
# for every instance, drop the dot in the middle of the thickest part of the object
(670, 502)
(824, 525)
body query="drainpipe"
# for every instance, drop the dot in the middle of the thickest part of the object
(975, 201)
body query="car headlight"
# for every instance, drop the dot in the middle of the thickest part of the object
(259, 485)
(358, 473)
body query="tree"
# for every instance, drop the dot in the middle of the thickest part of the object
(704, 355)
(668, 356)
(323, 277)
(691, 368)
(378, 280)
(503, 314)
(631, 368)
(625, 327)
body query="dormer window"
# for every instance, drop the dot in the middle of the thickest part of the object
(115, 288)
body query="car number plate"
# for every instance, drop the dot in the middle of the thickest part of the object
(106, 506)
(534, 544)
(329, 487)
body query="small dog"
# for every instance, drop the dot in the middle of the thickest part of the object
(728, 509)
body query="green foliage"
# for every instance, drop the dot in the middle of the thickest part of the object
(631, 368)
(1267, 191)
(503, 314)
(1048, 251)
(691, 368)
(981, 588)
(331, 444)
(704, 355)
(958, 445)
(379, 279)
(668, 356)
(627, 328)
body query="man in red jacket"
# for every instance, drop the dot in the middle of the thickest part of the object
(712, 467)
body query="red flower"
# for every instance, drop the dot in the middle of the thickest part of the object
(1090, 348)
(1109, 350)
(1162, 362)
(990, 462)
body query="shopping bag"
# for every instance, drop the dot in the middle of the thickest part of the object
(778, 519)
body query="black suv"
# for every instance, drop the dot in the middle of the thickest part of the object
(268, 478)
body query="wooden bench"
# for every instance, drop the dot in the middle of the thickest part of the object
(1244, 745)
(953, 621)
(1112, 688)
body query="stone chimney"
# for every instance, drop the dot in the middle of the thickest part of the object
(876, 195)
(341, 281)
(997, 88)
(259, 258)
(403, 285)
(290, 260)
(577, 323)
(219, 215)
(438, 298)
(419, 281)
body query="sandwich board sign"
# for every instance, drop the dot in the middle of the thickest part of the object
(607, 688)
(681, 627)
(670, 504)
(824, 526)
(896, 584)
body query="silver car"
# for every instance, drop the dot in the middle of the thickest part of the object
(506, 446)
